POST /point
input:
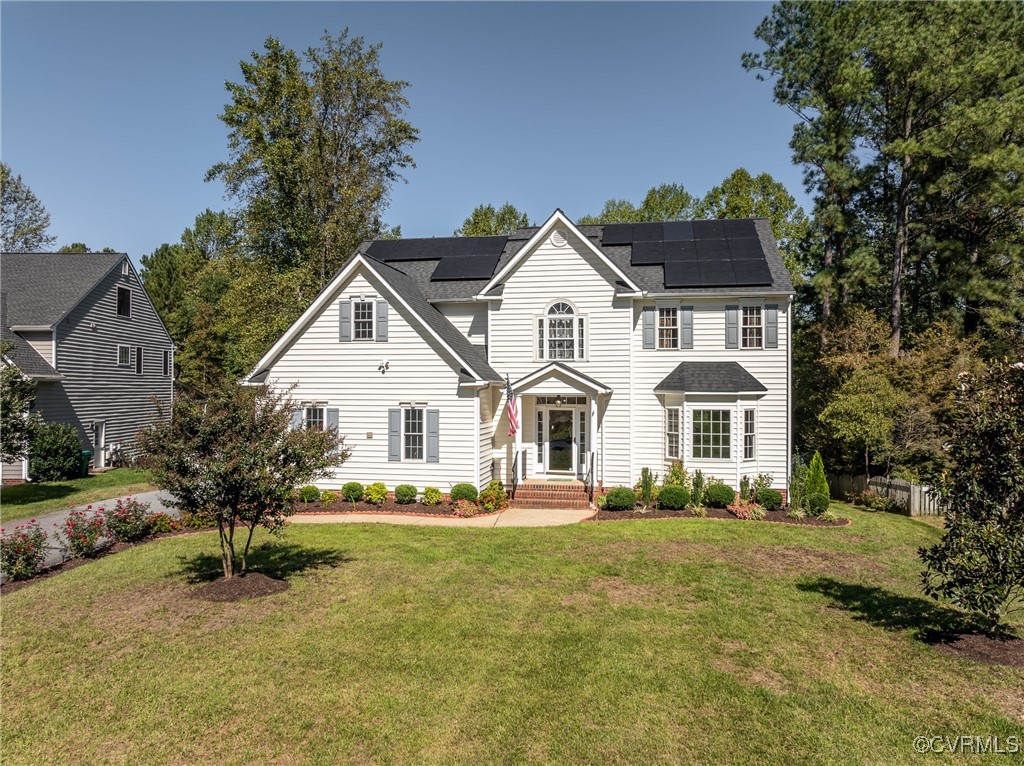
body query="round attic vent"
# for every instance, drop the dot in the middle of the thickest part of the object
(559, 238)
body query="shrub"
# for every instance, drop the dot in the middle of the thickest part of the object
(22, 550)
(745, 492)
(309, 494)
(405, 494)
(700, 512)
(816, 503)
(376, 493)
(620, 499)
(432, 496)
(463, 492)
(160, 522)
(698, 488)
(678, 476)
(493, 498)
(771, 499)
(741, 509)
(601, 501)
(673, 497)
(829, 516)
(352, 492)
(815, 482)
(757, 513)
(55, 453)
(465, 508)
(197, 520)
(82, 531)
(761, 481)
(796, 513)
(127, 521)
(796, 482)
(718, 494)
(646, 486)
(328, 498)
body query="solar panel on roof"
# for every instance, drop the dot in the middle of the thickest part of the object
(708, 230)
(745, 248)
(739, 228)
(678, 230)
(751, 272)
(681, 251)
(716, 273)
(455, 267)
(682, 274)
(434, 248)
(617, 234)
(648, 232)
(647, 254)
(712, 249)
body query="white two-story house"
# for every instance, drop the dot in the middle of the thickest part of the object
(626, 346)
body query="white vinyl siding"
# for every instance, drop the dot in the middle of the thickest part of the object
(41, 341)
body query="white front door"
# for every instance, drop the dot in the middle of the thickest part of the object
(99, 444)
(560, 433)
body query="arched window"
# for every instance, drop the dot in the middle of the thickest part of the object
(560, 333)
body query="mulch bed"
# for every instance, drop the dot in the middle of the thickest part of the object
(388, 506)
(982, 647)
(250, 585)
(14, 585)
(777, 517)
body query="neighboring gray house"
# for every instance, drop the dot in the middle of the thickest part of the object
(83, 327)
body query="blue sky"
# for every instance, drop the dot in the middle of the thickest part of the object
(109, 110)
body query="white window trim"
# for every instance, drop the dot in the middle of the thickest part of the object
(127, 364)
(306, 409)
(730, 409)
(658, 308)
(373, 319)
(422, 407)
(131, 302)
(679, 411)
(760, 309)
(126, 270)
(743, 435)
(540, 345)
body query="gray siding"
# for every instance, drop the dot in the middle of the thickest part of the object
(94, 387)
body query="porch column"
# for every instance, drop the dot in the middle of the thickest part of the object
(518, 442)
(593, 431)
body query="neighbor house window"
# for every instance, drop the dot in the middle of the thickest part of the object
(668, 328)
(561, 334)
(749, 435)
(672, 433)
(313, 418)
(753, 331)
(124, 356)
(167, 363)
(362, 313)
(124, 302)
(138, 360)
(711, 434)
(413, 433)
(125, 269)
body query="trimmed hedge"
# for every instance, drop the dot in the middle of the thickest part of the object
(376, 493)
(817, 503)
(432, 496)
(718, 494)
(463, 491)
(352, 492)
(771, 499)
(309, 494)
(55, 453)
(620, 499)
(673, 497)
(405, 494)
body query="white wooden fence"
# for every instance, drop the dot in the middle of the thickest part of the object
(913, 499)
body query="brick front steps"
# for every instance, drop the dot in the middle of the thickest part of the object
(549, 494)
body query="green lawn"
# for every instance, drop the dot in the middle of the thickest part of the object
(648, 642)
(22, 501)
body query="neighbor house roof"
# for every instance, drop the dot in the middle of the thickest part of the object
(710, 378)
(43, 287)
(417, 264)
(21, 353)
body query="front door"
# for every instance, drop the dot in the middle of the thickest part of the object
(99, 442)
(561, 441)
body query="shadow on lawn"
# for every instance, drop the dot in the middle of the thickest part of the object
(278, 560)
(23, 494)
(930, 621)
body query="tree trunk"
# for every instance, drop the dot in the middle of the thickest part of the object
(227, 547)
(972, 306)
(899, 258)
(245, 550)
(826, 296)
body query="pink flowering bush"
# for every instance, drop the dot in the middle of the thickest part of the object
(82, 531)
(465, 508)
(22, 550)
(127, 521)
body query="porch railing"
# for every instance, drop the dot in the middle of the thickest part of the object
(588, 482)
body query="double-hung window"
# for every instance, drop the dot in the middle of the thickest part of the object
(711, 434)
(412, 433)
(124, 356)
(749, 434)
(668, 328)
(752, 329)
(167, 363)
(561, 333)
(673, 433)
(138, 360)
(313, 418)
(362, 320)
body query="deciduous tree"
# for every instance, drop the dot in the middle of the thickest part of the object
(485, 221)
(17, 423)
(23, 219)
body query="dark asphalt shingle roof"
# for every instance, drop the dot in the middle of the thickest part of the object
(21, 352)
(42, 287)
(709, 378)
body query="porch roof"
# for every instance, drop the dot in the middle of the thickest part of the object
(710, 378)
(574, 378)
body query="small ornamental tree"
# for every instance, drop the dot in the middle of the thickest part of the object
(979, 562)
(235, 458)
(815, 482)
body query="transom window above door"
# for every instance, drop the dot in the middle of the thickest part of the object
(561, 333)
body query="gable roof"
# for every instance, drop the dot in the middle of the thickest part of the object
(404, 289)
(710, 378)
(21, 353)
(43, 287)
(650, 279)
(558, 368)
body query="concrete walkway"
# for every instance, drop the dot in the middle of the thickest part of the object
(510, 517)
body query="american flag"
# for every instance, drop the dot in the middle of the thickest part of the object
(513, 408)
